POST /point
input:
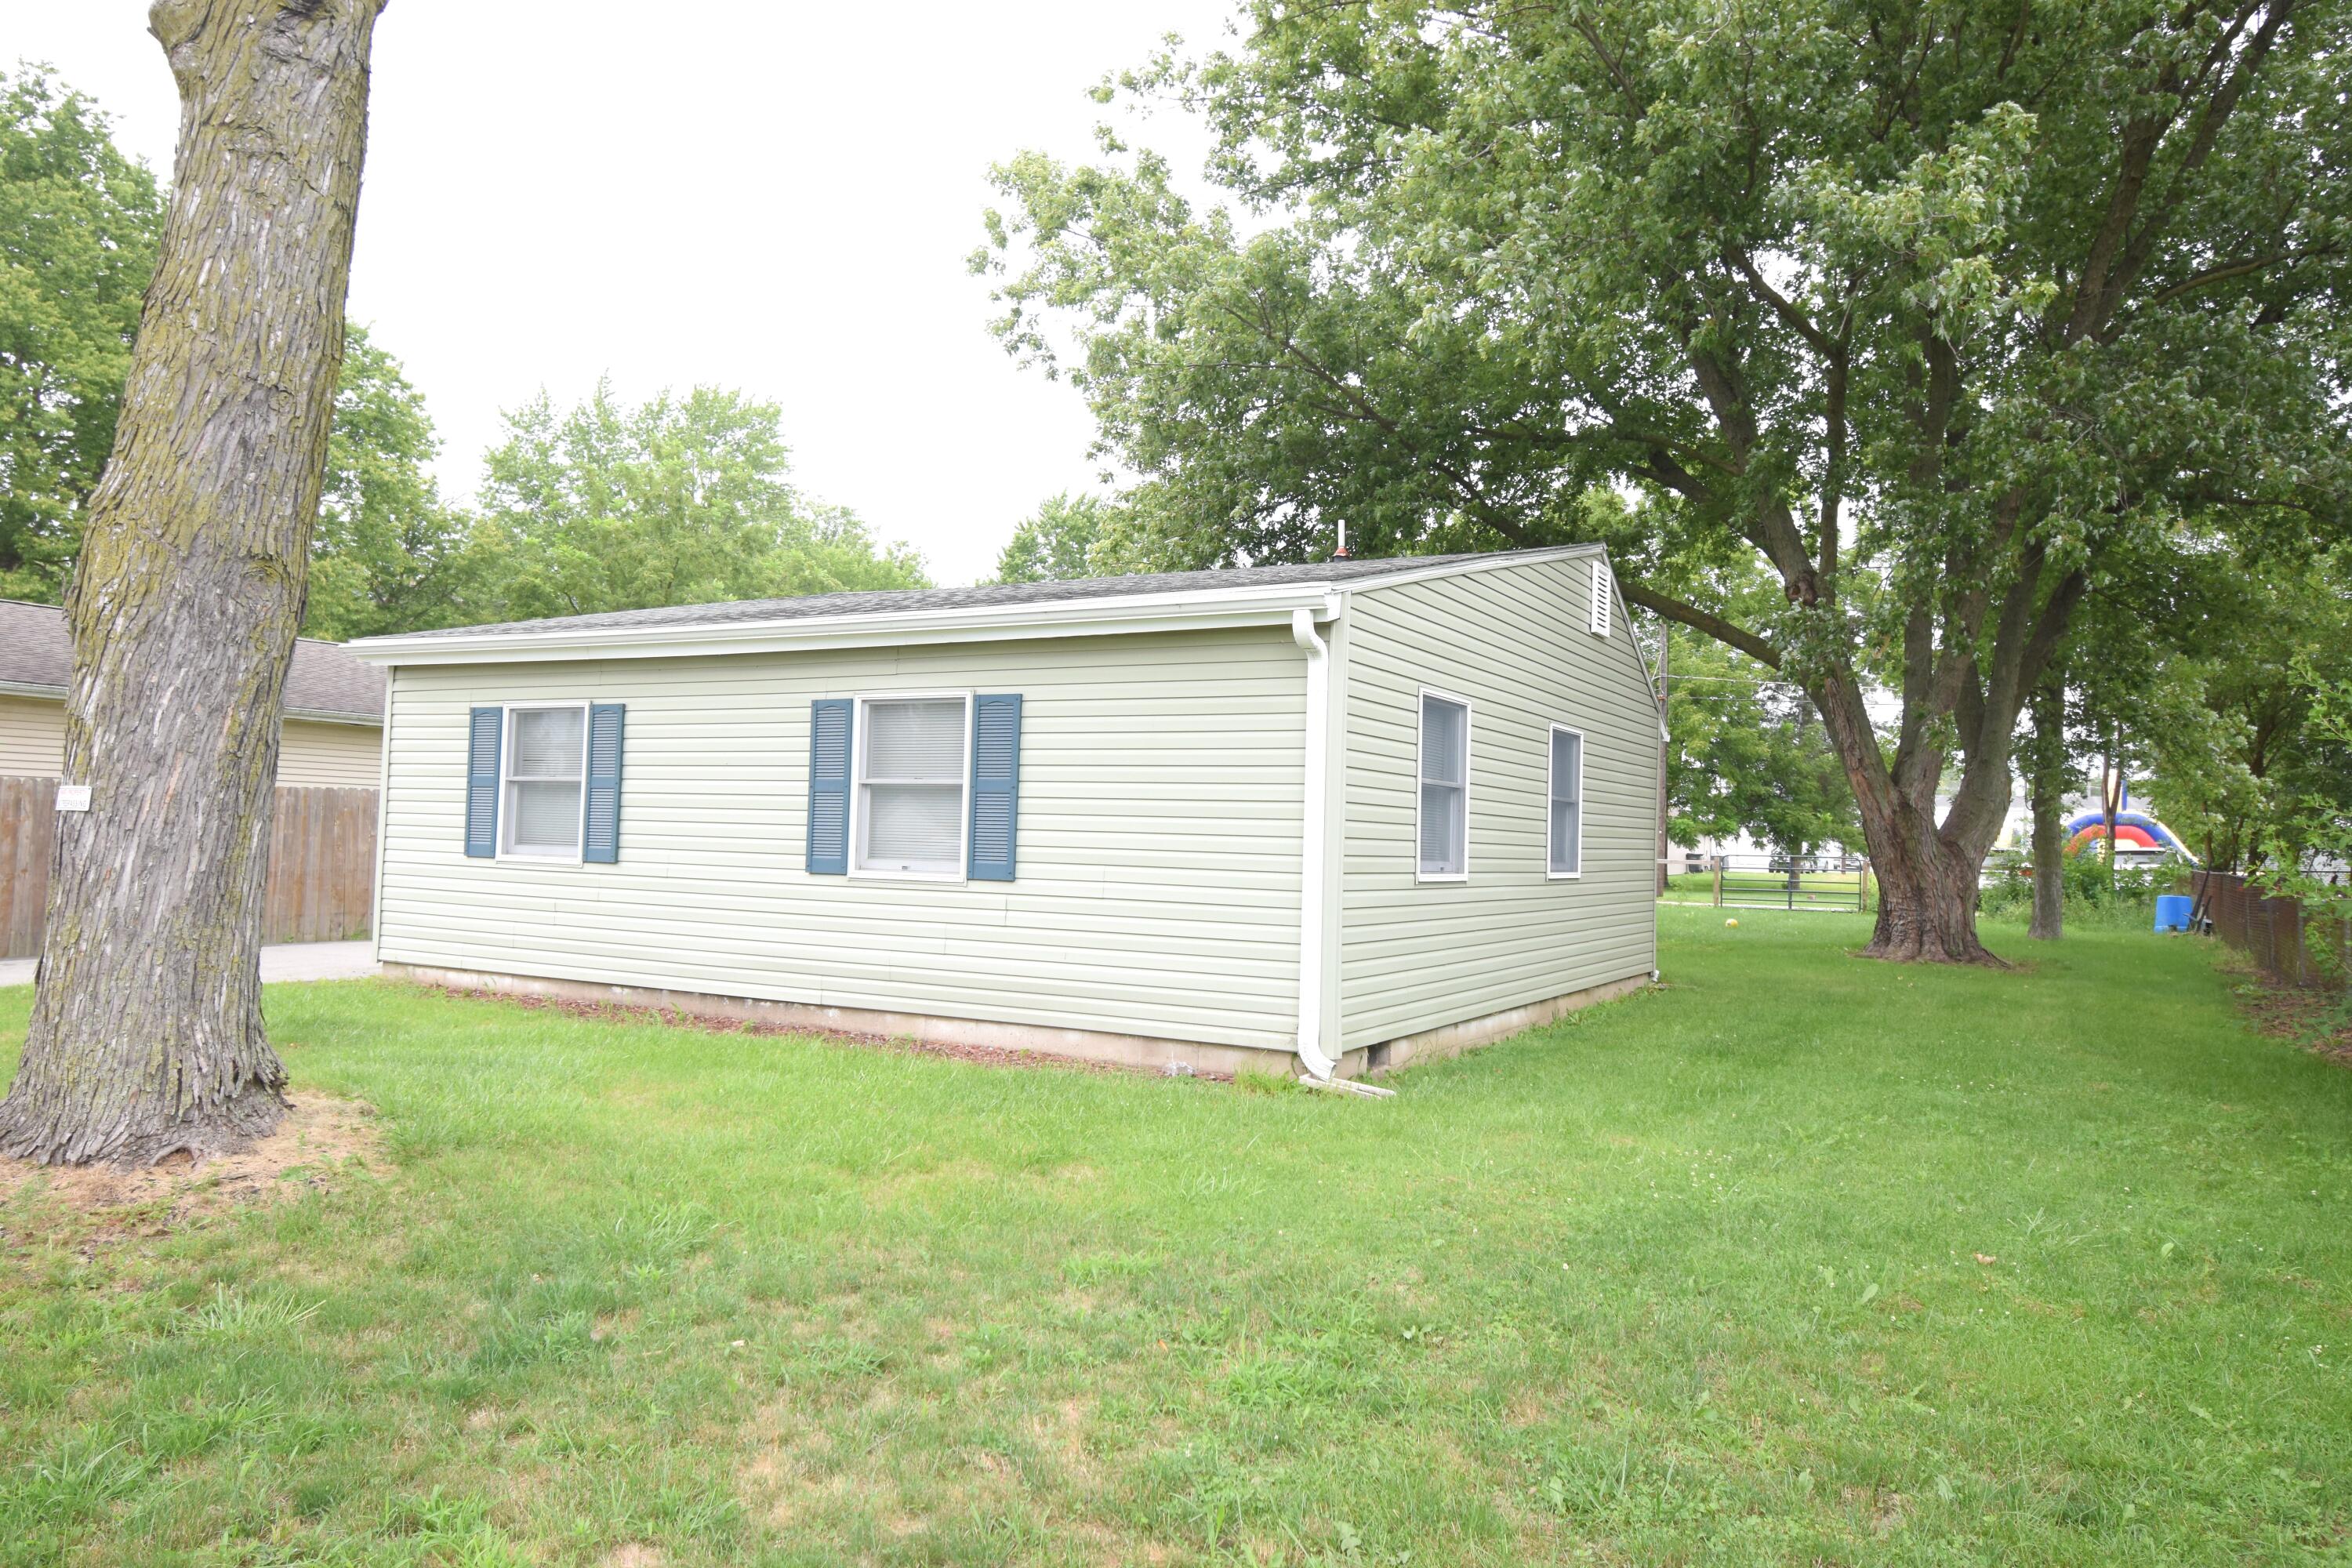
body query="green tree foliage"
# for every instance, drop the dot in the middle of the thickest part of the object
(1947, 315)
(387, 555)
(78, 224)
(1058, 543)
(79, 229)
(1747, 754)
(677, 500)
(2237, 730)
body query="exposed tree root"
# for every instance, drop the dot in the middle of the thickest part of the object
(46, 1137)
(1923, 953)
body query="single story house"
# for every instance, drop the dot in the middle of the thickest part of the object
(332, 735)
(1328, 816)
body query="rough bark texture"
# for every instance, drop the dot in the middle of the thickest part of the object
(1927, 890)
(1927, 871)
(2049, 922)
(2049, 766)
(146, 1035)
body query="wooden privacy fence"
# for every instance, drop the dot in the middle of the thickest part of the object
(321, 864)
(2290, 943)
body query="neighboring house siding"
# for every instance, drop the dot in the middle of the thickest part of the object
(1159, 839)
(1513, 642)
(310, 753)
(32, 736)
(343, 756)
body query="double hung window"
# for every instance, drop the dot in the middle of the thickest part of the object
(1566, 834)
(913, 769)
(546, 772)
(1444, 831)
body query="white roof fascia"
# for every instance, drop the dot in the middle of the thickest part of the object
(1266, 606)
(1498, 561)
(1181, 610)
(330, 716)
(312, 715)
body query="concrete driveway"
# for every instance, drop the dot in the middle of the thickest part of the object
(287, 960)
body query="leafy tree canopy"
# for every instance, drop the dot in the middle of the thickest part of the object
(387, 555)
(78, 224)
(2234, 732)
(1746, 753)
(1058, 542)
(1947, 315)
(677, 500)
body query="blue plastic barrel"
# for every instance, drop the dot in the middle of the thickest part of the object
(2172, 911)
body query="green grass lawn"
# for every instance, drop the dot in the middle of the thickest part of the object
(1692, 1277)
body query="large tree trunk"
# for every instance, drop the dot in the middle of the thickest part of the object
(1927, 871)
(146, 1034)
(1927, 890)
(2049, 922)
(2049, 766)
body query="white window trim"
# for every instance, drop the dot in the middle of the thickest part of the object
(1420, 740)
(506, 851)
(1551, 762)
(963, 873)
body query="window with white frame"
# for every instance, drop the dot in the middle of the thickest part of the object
(1445, 788)
(546, 767)
(1567, 856)
(912, 771)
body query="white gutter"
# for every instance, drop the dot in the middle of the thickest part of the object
(382, 817)
(308, 715)
(1181, 609)
(1265, 606)
(1315, 831)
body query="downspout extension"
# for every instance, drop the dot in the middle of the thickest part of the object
(1311, 865)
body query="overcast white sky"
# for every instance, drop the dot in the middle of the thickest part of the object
(778, 197)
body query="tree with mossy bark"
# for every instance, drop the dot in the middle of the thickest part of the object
(1936, 311)
(146, 1034)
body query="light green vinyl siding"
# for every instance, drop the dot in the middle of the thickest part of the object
(1159, 853)
(1514, 641)
(309, 753)
(32, 736)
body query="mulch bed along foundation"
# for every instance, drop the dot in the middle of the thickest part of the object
(714, 1024)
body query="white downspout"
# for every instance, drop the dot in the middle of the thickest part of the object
(1311, 864)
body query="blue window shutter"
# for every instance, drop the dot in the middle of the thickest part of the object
(995, 787)
(482, 735)
(830, 719)
(604, 841)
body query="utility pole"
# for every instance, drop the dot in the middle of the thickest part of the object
(1662, 753)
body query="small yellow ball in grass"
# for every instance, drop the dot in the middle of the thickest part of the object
(1731, 922)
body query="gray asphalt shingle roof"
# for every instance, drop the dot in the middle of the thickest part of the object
(900, 601)
(36, 651)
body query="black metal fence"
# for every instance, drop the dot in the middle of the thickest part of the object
(2290, 942)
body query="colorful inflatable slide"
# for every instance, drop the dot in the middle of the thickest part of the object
(2134, 830)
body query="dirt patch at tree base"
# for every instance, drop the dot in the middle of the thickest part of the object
(321, 1140)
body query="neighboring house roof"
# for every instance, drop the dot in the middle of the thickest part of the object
(325, 682)
(1160, 600)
